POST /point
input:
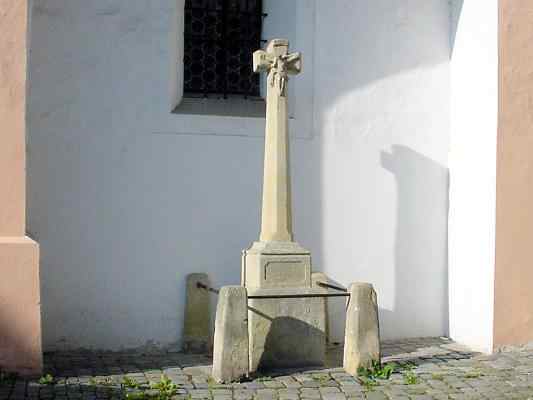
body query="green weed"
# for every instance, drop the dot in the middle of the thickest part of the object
(107, 381)
(264, 379)
(368, 383)
(410, 378)
(473, 374)
(322, 378)
(47, 379)
(130, 383)
(165, 387)
(377, 371)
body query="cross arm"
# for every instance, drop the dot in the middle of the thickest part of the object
(262, 60)
(293, 62)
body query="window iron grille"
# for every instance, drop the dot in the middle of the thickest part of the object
(220, 37)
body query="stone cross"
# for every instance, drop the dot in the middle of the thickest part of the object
(276, 218)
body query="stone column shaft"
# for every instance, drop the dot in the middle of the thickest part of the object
(276, 220)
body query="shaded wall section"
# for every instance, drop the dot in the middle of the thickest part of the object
(513, 310)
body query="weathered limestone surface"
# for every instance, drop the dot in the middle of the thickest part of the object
(286, 332)
(282, 332)
(361, 342)
(276, 216)
(20, 309)
(196, 329)
(277, 265)
(230, 355)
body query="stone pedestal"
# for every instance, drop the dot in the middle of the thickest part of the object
(283, 332)
(286, 332)
(276, 265)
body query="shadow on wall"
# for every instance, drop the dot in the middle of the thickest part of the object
(421, 278)
(390, 85)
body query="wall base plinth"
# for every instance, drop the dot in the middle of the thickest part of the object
(20, 306)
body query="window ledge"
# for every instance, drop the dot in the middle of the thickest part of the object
(233, 106)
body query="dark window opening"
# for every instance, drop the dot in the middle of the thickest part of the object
(220, 37)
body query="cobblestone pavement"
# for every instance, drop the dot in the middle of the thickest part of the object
(427, 368)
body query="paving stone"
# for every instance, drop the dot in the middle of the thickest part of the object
(333, 396)
(376, 395)
(443, 372)
(352, 390)
(289, 396)
(254, 385)
(273, 384)
(310, 384)
(266, 394)
(309, 393)
(329, 389)
(243, 394)
(222, 397)
(200, 394)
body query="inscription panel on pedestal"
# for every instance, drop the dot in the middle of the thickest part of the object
(285, 273)
(276, 270)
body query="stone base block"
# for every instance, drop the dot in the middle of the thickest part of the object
(20, 306)
(286, 332)
(361, 342)
(230, 352)
(276, 265)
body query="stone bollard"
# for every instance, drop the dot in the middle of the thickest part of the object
(196, 329)
(361, 341)
(230, 352)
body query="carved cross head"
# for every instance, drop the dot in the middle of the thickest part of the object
(278, 63)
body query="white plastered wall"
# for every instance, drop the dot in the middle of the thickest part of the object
(382, 101)
(474, 99)
(126, 198)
